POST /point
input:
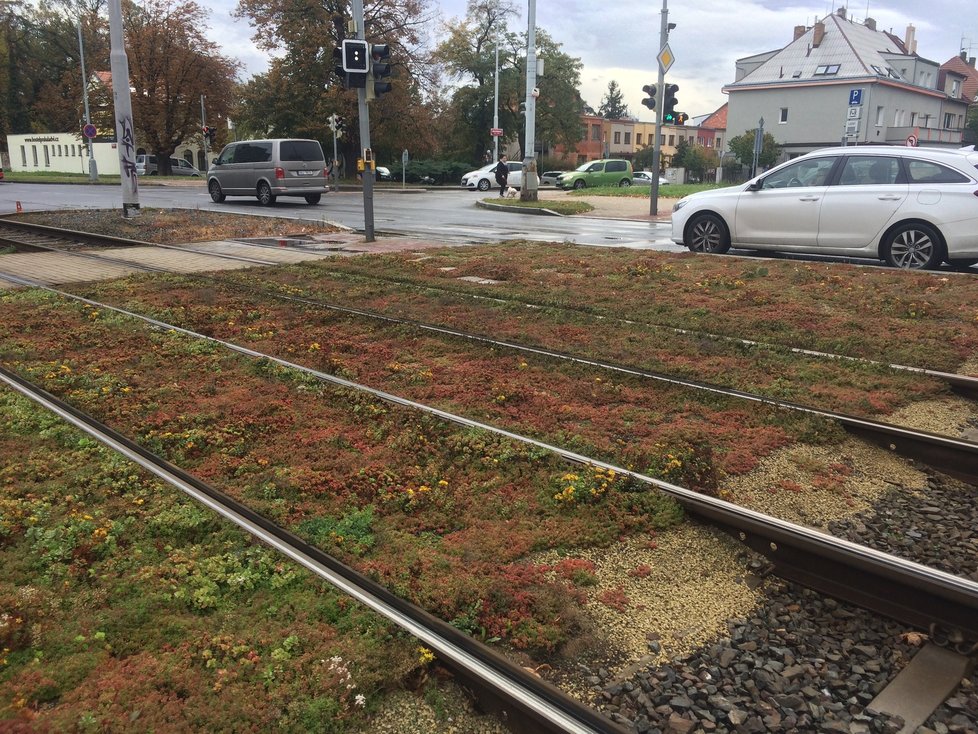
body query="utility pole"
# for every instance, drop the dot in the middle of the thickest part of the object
(92, 165)
(528, 192)
(495, 108)
(362, 107)
(660, 93)
(125, 134)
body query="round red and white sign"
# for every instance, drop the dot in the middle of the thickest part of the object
(911, 141)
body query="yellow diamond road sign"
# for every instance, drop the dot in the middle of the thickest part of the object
(665, 58)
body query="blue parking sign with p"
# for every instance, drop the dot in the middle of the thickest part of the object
(855, 97)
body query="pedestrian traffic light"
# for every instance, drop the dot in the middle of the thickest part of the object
(669, 103)
(355, 55)
(350, 80)
(649, 101)
(380, 70)
(681, 118)
(212, 134)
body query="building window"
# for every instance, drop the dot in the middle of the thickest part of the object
(956, 88)
(596, 132)
(638, 138)
(948, 120)
(827, 70)
(47, 157)
(672, 140)
(628, 138)
(913, 119)
(880, 110)
(34, 154)
(662, 140)
(23, 156)
(617, 137)
(878, 70)
(784, 115)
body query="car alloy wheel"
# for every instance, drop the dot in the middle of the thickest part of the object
(265, 196)
(484, 184)
(214, 188)
(707, 233)
(914, 246)
(579, 183)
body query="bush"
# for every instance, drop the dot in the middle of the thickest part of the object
(442, 172)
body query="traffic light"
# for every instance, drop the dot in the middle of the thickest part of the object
(681, 118)
(355, 56)
(358, 55)
(212, 134)
(669, 103)
(649, 101)
(380, 70)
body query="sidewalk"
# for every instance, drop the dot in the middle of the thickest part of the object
(614, 207)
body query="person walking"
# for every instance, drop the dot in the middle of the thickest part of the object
(502, 175)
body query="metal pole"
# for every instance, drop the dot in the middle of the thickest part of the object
(368, 174)
(125, 133)
(203, 126)
(528, 192)
(92, 165)
(495, 107)
(336, 156)
(660, 94)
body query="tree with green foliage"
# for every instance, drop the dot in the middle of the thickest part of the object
(468, 57)
(742, 146)
(613, 105)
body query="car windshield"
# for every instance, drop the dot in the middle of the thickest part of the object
(583, 166)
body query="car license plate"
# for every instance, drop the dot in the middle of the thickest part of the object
(306, 173)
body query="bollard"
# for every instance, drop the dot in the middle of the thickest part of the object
(20, 209)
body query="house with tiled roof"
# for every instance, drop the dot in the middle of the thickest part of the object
(842, 82)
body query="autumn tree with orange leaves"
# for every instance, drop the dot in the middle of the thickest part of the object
(171, 64)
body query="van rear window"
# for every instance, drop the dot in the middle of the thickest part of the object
(301, 150)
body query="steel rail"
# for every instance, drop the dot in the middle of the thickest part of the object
(547, 706)
(964, 384)
(898, 588)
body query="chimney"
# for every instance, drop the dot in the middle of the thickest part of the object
(841, 12)
(971, 62)
(819, 34)
(800, 31)
(909, 41)
(870, 23)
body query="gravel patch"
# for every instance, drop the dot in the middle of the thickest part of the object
(445, 709)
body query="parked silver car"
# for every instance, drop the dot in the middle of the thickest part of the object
(267, 169)
(912, 207)
(549, 178)
(644, 178)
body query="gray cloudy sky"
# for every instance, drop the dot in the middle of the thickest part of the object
(619, 40)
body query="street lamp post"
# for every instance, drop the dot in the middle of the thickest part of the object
(495, 107)
(92, 165)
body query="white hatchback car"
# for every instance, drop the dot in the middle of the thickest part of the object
(484, 178)
(911, 207)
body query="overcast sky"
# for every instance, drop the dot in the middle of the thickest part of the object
(619, 40)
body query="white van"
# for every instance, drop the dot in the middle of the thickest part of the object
(267, 169)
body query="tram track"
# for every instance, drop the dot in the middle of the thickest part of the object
(886, 584)
(865, 582)
(954, 456)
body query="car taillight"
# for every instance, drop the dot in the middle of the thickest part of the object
(279, 173)
(325, 173)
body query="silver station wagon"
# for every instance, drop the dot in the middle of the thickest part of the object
(267, 169)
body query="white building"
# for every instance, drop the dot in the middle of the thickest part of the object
(845, 81)
(68, 153)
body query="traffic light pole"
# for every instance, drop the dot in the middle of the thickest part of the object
(364, 115)
(660, 87)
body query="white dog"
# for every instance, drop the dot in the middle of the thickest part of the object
(511, 192)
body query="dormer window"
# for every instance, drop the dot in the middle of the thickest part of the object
(878, 70)
(891, 73)
(826, 70)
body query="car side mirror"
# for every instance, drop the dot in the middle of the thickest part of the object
(755, 186)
